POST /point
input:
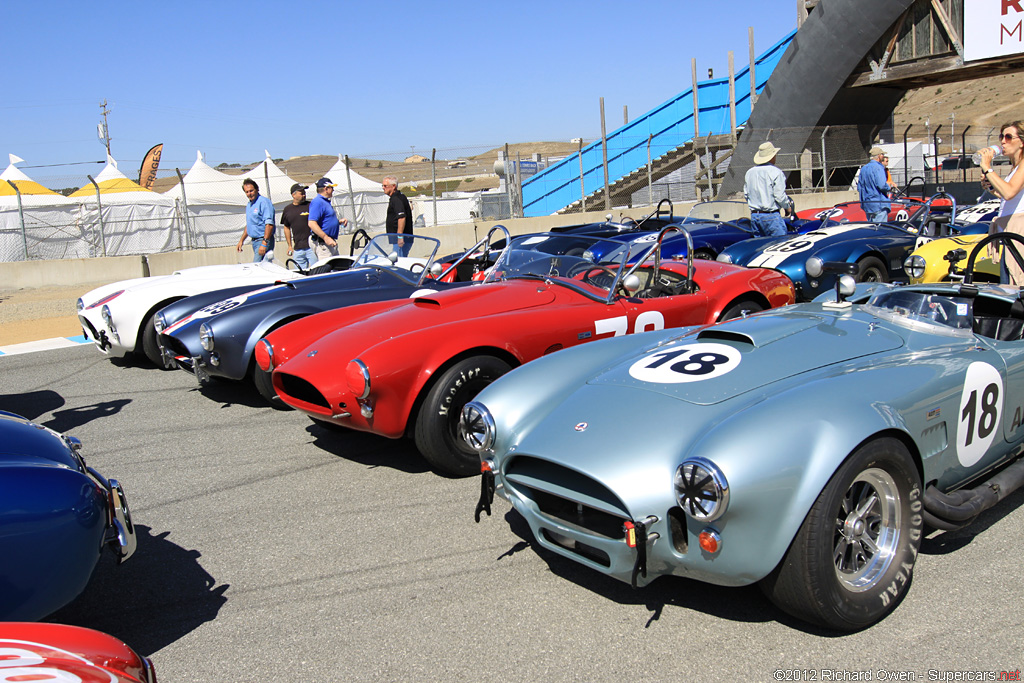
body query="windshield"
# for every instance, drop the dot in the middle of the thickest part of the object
(574, 260)
(410, 253)
(718, 211)
(922, 310)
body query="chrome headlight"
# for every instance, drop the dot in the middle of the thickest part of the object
(159, 322)
(79, 305)
(107, 318)
(724, 258)
(206, 337)
(588, 256)
(477, 426)
(914, 265)
(814, 266)
(701, 489)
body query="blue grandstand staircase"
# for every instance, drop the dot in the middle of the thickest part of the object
(670, 127)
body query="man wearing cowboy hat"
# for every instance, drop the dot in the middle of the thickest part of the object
(764, 186)
(873, 187)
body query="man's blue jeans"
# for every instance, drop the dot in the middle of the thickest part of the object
(304, 258)
(768, 224)
(267, 256)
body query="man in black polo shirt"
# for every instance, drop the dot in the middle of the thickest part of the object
(295, 219)
(399, 218)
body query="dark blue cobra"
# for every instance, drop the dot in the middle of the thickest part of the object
(56, 516)
(713, 226)
(878, 249)
(219, 338)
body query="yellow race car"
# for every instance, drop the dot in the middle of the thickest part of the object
(942, 261)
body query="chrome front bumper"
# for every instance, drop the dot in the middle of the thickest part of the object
(120, 534)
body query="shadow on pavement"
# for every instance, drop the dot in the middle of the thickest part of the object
(157, 596)
(368, 449)
(743, 604)
(32, 404)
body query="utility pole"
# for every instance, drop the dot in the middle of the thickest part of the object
(106, 130)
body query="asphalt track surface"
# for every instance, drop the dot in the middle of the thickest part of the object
(273, 549)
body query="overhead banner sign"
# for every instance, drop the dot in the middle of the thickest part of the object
(993, 28)
(150, 164)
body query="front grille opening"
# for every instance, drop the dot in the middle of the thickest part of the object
(576, 514)
(301, 390)
(677, 528)
(174, 345)
(92, 330)
(582, 549)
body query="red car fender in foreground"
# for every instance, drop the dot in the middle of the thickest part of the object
(59, 653)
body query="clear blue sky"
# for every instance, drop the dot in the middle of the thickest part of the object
(364, 79)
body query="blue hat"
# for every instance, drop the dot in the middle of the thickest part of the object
(324, 182)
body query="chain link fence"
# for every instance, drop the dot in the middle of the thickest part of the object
(445, 186)
(58, 213)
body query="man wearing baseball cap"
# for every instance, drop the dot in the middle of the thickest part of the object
(295, 221)
(764, 186)
(323, 221)
(873, 187)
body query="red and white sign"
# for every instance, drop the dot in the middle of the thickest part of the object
(993, 28)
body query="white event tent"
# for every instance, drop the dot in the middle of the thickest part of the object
(40, 221)
(118, 216)
(361, 200)
(216, 201)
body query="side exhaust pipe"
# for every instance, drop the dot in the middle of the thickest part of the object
(955, 510)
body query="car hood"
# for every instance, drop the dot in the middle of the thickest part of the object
(585, 430)
(415, 316)
(23, 441)
(762, 350)
(492, 299)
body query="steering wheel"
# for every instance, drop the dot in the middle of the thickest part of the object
(590, 277)
(298, 268)
(1013, 243)
(412, 268)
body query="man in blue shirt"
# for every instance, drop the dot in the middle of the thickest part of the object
(259, 223)
(323, 221)
(873, 187)
(764, 186)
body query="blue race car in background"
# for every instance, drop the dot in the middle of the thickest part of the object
(218, 339)
(56, 516)
(713, 226)
(878, 250)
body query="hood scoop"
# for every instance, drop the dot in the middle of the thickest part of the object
(731, 359)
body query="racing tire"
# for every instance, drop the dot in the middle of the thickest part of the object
(150, 346)
(736, 310)
(870, 269)
(705, 255)
(264, 384)
(437, 423)
(852, 560)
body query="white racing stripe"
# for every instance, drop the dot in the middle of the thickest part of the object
(43, 345)
(774, 255)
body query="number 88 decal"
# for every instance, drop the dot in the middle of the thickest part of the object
(686, 363)
(981, 408)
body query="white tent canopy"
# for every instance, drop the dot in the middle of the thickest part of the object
(126, 218)
(216, 201)
(366, 206)
(45, 222)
